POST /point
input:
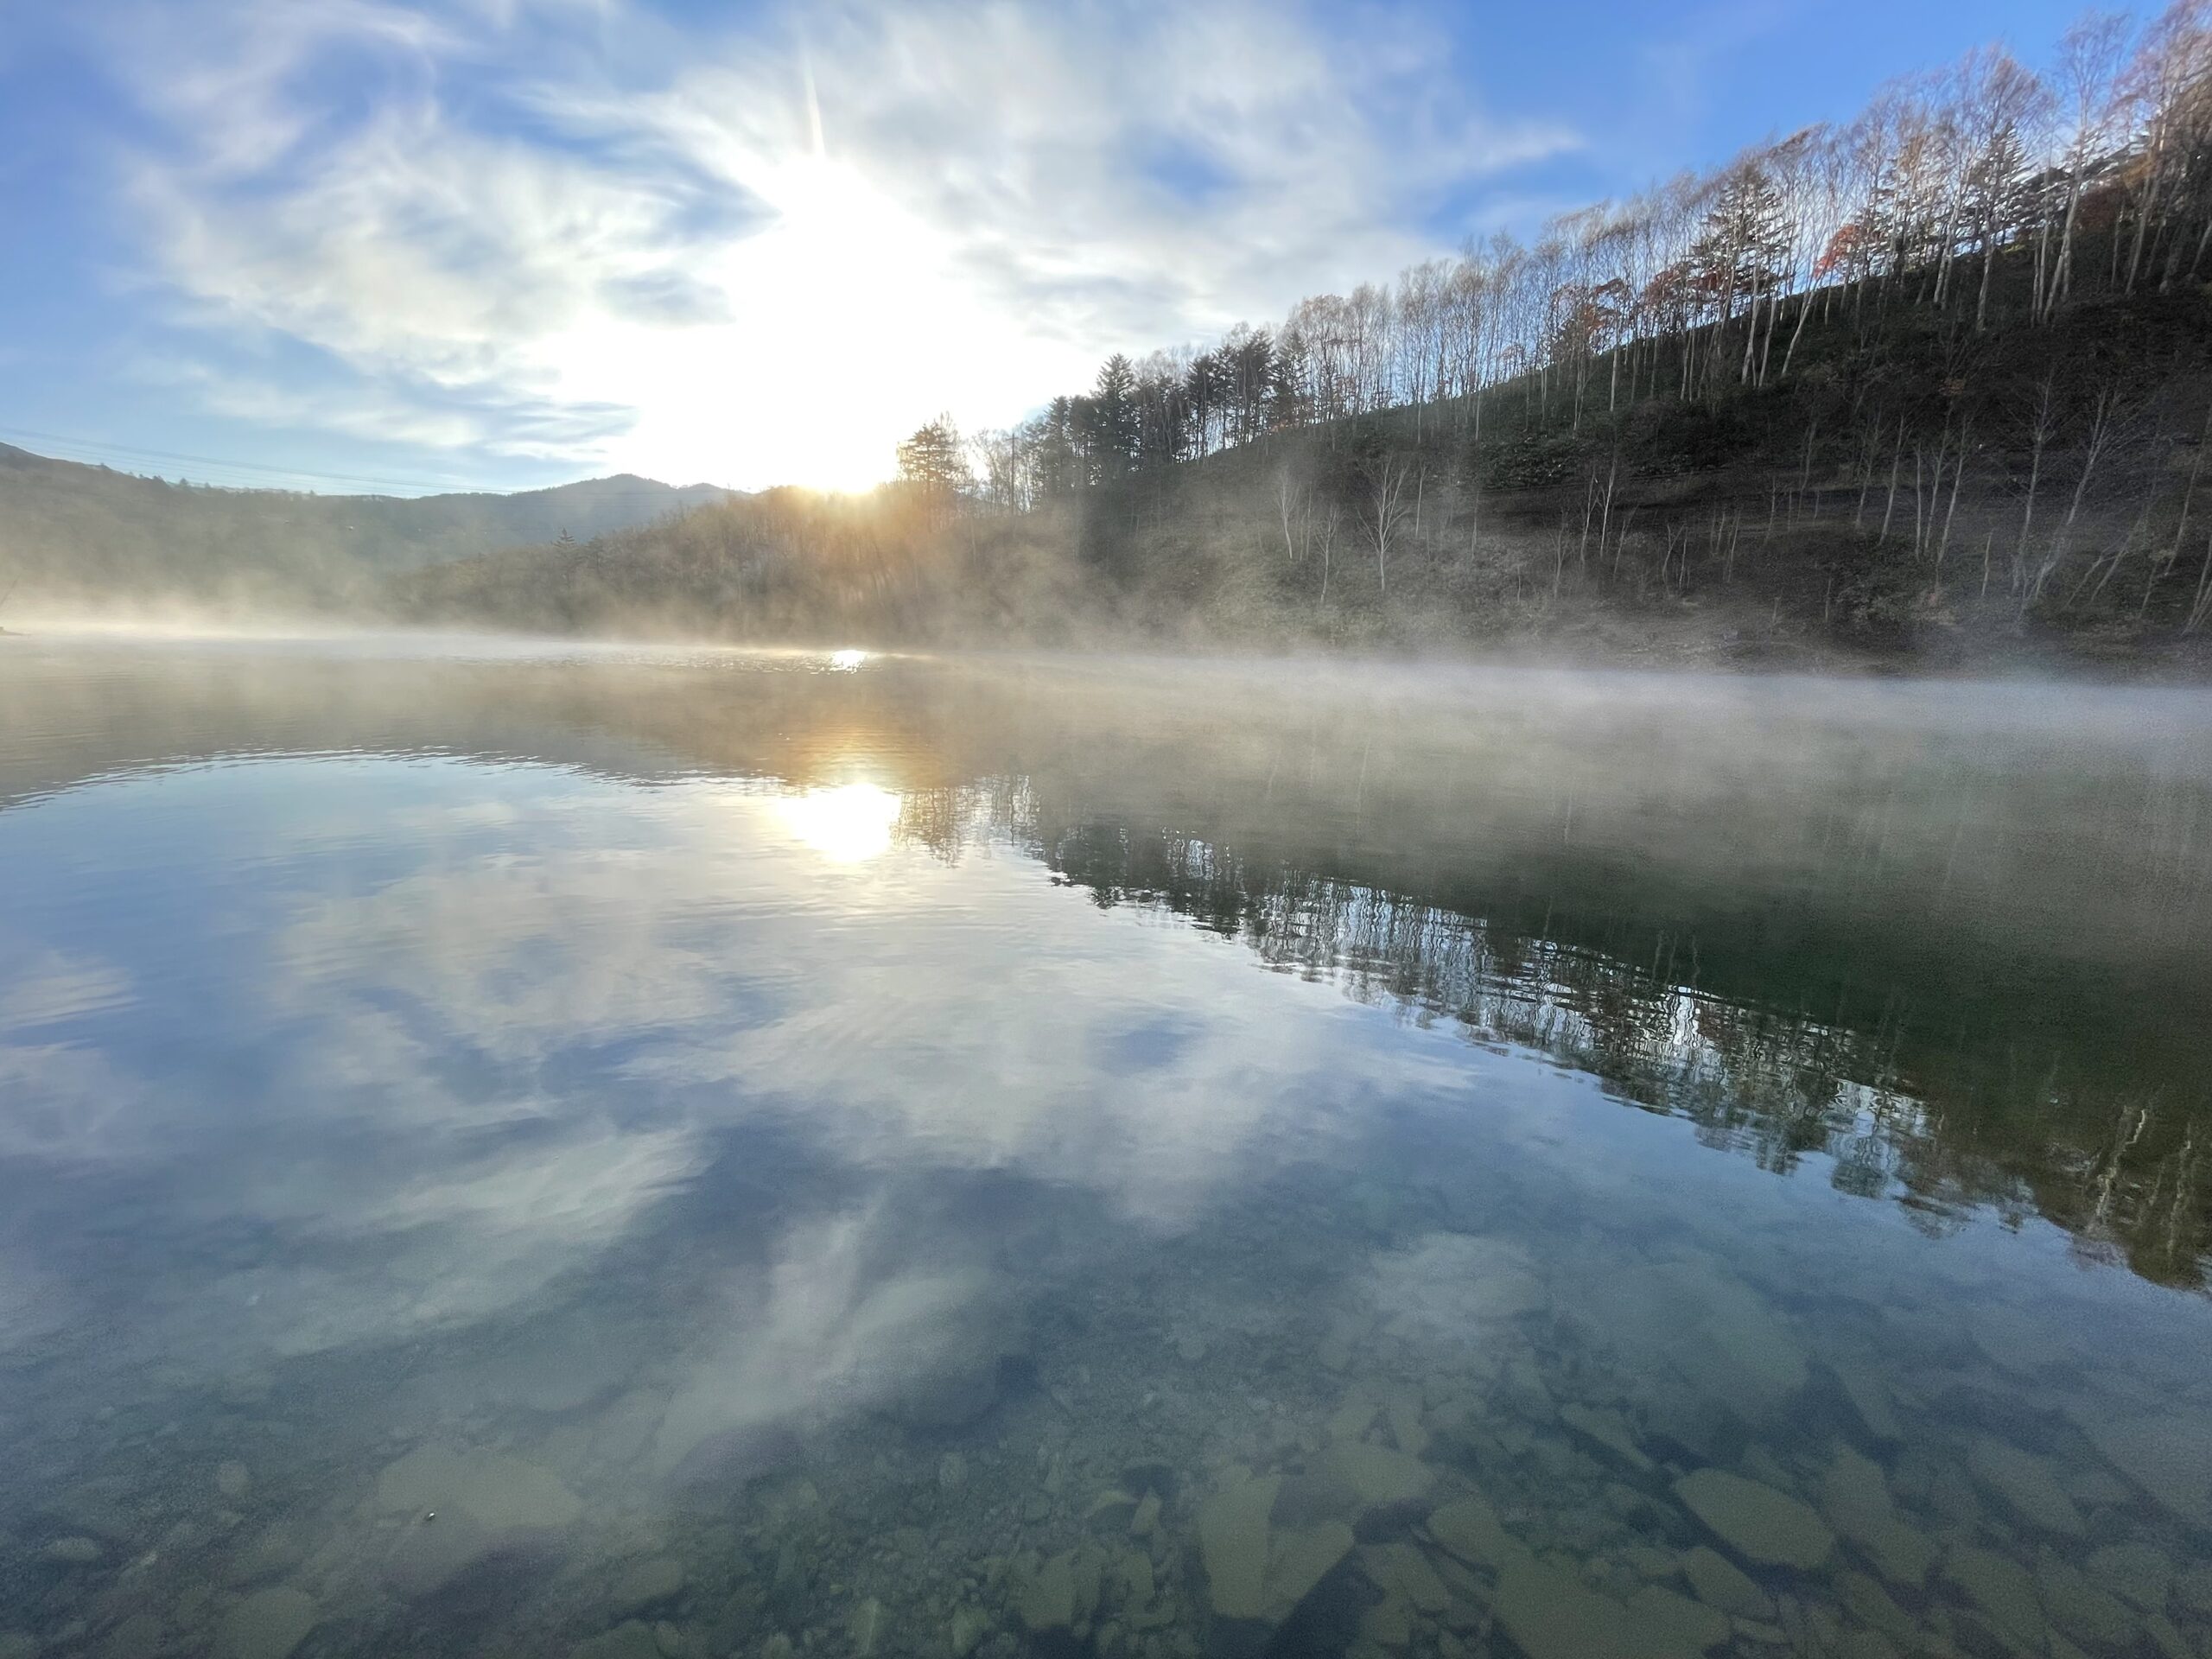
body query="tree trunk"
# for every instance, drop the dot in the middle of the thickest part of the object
(2203, 604)
(1796, 335)
(1897, 459)
(1958, 472)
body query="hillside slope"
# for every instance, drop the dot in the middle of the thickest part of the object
(1911, 490)
(72, 534)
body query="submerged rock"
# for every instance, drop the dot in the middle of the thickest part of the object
(630, 1640)
(1145, 1519)
(1376, 1476)
(1668, 1624)
(2079, 1608)
(953, 1397)
(1132, 1581)
(2024, 1482)
(1256, 1570)
(1720, 1583)
(1727, 1341)
(1608, 1430)
(1353, 1418)
(1869, 1399)
(2011, 1340)
(1402, 1572)
(1871, 1605)
(969, 1626)
(1756, 1522)
(695, 1452)
(1455, 1289)
(1047, 1602)
(1469, 1527)
(2168, 1456)
(1062, 1593)
(267, 1624)
(2194, 1590)
(1550, 1614)
(1233, 1545)
(647, 1584)
(499, 1490)
(865, 1627)
(272, 1554)
(1298, 1559)
(2140, 1573)
(2002, 1590)
(1855, 1495)
(135, 1637)
(428, 1555)
(463, 1508)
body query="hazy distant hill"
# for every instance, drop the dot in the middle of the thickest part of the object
(71, 532)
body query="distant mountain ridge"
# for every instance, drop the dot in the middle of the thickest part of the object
(71, 532)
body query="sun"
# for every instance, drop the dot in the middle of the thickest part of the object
(848, 825)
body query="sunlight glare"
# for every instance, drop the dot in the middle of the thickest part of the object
(858, 363)
(846, 662)
(847, 825)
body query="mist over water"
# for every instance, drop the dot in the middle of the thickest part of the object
(611, 1151)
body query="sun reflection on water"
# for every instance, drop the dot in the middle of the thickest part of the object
(846, 662)
(848, 825)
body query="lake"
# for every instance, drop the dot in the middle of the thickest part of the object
(515, 1150)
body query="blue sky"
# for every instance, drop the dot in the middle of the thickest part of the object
(495, 243)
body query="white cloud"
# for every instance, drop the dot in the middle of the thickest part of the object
(478, 1075)
(764, 256)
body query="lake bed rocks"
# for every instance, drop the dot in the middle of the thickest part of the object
(1869, 1398)
(632, 1639)
(1720, 1583)
(647, 1584)
(1855, 1497)
(267, 1624)
(1609, 1431)
(1233, 1537)
(274, 1552)
(2001, 1589)
(500, 1490)
(1756, 1522)
(1481, 1473)
(2024, 1483)
(2080, 1608)
(1550, 1614)
(457, 1509)
(2138, 1573)
(1470, 1528)
(2193, 1589)
(2171, 1460)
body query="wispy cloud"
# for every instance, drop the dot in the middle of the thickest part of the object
(767, 253)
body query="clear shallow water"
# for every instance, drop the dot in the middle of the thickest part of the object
(520, 1155)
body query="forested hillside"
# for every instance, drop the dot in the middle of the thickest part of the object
(72, 534)
(1933, 380)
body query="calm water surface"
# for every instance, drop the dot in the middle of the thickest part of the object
(511, 1153)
